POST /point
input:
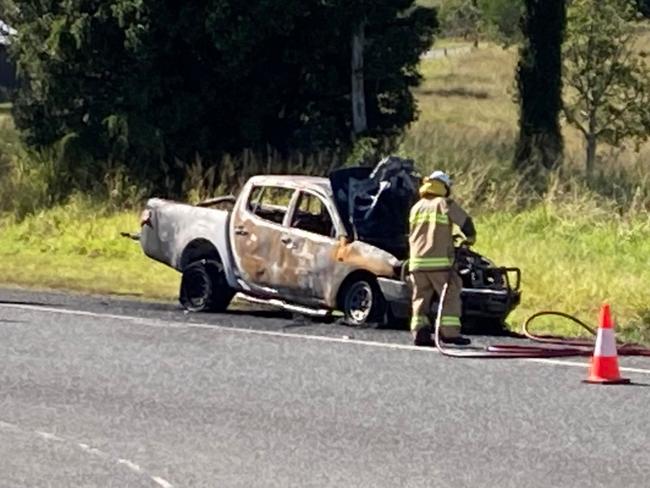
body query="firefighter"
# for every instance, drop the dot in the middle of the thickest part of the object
(432, 258)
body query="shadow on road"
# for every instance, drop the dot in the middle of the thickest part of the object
(27, 303)
(262, 314)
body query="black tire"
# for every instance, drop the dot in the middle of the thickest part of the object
(204, 287)
(362, 303)
(489, 326)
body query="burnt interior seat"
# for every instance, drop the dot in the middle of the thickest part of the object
(316, 224)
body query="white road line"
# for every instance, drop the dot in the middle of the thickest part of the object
(8, 426)
(583, 365)
(162, 482)
(48, 436)
(269, 333)
(91, 450)
(132, 466)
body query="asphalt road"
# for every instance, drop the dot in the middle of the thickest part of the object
(98, 392)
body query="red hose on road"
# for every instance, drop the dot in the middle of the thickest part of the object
(556, 346)
(624, 348)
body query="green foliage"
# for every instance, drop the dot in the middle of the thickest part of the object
(608, 83)
(495, 19)
(644, 7)
(7, 70)
(461, 18)
(539, 79)
(31, 179)
(502, 18)
(152, 83)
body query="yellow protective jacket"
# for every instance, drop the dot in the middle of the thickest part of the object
(431, 240)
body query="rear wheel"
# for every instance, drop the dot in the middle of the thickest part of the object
(362, 302)
(204, 287)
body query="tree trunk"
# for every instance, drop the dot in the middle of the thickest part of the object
(539, 78)
(359, 119)
(591, 144)
(476, 24)
(591, 155)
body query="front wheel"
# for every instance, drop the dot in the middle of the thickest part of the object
(362, 303)
(204, 287)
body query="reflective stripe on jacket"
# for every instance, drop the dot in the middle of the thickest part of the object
(431, 240)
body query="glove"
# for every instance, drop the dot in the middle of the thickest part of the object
(470, 240)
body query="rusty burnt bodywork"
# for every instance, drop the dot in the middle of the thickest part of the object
(337, 243)
(290, 238)
(286, 259)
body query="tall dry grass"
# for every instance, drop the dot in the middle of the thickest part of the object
(468, 126)
(204, 180)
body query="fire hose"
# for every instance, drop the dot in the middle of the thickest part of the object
(555, 346)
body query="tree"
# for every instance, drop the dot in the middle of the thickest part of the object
(502, 17)
(644, 7)
(608, 87)
(150, 83)
(461, 18)
(539, 80)
(471, 19)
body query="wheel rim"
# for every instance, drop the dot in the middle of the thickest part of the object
(359, 301)
(197, 289)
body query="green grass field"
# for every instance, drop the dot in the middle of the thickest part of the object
(576, 248)
(573, 262)
(572, 259)
(79, 247)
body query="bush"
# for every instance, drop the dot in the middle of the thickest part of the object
(32, 180)
(502, 19)
(143, 83)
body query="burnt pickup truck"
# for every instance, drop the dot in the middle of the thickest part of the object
(312, 244)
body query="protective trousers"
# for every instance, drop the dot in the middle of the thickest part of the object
(428, 285)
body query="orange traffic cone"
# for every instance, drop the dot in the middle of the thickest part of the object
(604, 363)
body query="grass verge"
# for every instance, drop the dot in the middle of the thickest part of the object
(78, 247)
(572, 259)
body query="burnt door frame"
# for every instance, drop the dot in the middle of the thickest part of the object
(311, 256)
(257, 244)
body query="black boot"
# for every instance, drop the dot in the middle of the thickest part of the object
(423, 338)
(456, 341)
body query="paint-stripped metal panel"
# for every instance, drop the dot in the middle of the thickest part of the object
(173, 226)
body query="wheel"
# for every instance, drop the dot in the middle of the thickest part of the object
(362, 303)
(204, 287)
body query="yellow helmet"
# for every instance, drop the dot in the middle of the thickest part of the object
(443, 177)
(437, 184)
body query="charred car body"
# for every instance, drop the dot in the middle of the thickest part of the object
(310, 243)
